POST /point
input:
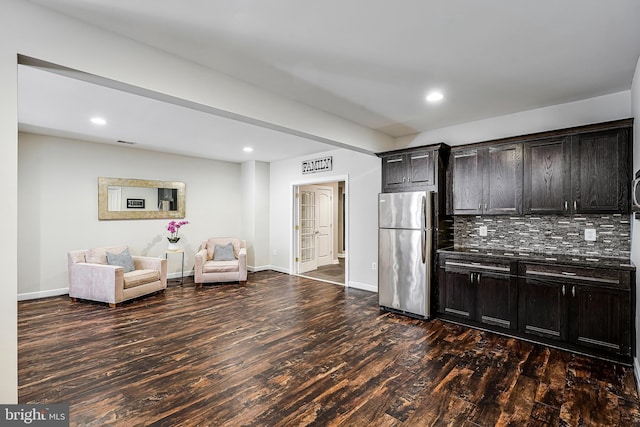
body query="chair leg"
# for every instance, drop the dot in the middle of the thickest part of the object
(242, 282)
(112, 305)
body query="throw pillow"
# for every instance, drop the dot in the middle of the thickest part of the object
(223, 253)
(123, 259)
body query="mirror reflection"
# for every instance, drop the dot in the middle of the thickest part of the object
(120, 198)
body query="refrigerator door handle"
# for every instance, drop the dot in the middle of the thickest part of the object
(424, 231)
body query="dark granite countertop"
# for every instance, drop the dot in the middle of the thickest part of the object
(564, 259)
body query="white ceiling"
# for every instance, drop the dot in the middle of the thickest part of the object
(369, 61)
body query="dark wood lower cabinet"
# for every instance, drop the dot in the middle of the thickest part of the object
(543, 309)
(459, 295)
(583, 309)
(497, 300)
(484, 293)
(600, 318)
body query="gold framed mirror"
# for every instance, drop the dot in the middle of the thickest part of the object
(123, 198)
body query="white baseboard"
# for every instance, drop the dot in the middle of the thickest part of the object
(171, 276)
(363, 286)
(255, 269)
(43, 294)
(636, 373)
(279, 269)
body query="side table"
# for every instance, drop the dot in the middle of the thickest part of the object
(177, 251)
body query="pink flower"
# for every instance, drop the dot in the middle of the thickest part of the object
(174, 226)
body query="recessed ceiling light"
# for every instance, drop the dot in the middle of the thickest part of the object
(98, 121)
(247, 149)
(435, 96)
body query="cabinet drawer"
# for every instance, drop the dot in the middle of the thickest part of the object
(467, 265)
(575, 274)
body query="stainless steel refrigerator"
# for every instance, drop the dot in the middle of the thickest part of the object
(404, 252)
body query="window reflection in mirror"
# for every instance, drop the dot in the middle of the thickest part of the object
(120, 198)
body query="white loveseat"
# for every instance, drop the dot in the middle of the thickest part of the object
(92, 277)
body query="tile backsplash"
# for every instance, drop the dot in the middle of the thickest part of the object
(547, 234)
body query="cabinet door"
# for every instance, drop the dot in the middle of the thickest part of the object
(394, 170)
(467, 182)
(497, 300)
(600, 318)
(543, 309)
(503, 180)
(600, 172)
(547, 178)
(459, 295)
(422, 168)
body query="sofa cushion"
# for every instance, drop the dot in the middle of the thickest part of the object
(123, 259)
(140, 277)
(220, 266)
(99, 255)
(223, 253)
(212, 242)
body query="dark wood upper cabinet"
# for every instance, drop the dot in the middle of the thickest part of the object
(415, 169)
(600, 172)
(394, 171)
(487, 180)
(468, 172)
(547, 181)
(422, 167)
(408, 171)
(570, 171)
(503, 180)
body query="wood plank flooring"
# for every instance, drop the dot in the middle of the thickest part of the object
(287, 351)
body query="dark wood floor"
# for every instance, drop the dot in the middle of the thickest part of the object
(287, 351)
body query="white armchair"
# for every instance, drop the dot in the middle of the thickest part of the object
(221, 259)
(91, 277)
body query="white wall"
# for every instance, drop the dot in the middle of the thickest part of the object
(39, 33)
(8, 253)
(593, 110)
(255, 213)
(58, 205)
(635, 225)
(363, 185)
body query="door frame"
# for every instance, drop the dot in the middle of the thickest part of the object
(293, 239)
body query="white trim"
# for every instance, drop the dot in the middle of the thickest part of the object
(43, 294)
(320, 280)
(363, 286)
(292, 206)
(176, 275)
(254, 269)
(636, 373)
(279, 269)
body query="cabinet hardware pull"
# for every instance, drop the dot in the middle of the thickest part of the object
(423, 156)
(566, 273)
(566, 205)
(479, 206)
(563, 293)
(485, 206)
(477, 278)
(575, 205)
(573, 291)
(404, 179)
(393, 160)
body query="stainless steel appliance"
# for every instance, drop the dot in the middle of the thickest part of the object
(404, 252)
(635, 193)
